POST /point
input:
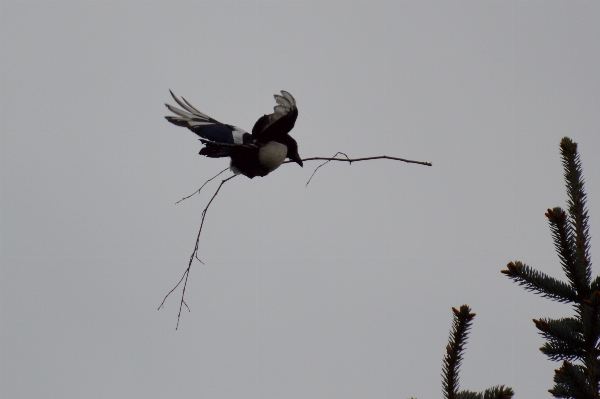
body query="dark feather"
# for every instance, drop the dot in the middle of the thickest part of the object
(276, 125)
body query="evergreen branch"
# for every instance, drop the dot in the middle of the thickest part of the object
(540, 283)
(590, 315)
(461, 325)
(563, 328)
(595, 284)
(577, 207)
(497, 392)
(561, 350)
(565, 337)
(595, 301)
(571, 383)
(589, 307)
(468, 395)
(591, 331)
(564, 245)
(574, 338)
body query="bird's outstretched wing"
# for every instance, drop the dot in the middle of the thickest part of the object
(280, 122)
(203, 125)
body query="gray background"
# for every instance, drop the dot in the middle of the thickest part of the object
(342, 289)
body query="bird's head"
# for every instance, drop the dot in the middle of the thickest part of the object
(292, 150)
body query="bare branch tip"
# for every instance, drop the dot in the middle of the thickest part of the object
(194, 254)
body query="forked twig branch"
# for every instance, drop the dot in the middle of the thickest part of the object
(184, 277)
(365, 159)
(205, 183)
(186, 274)
(350, 160)
(329, 160)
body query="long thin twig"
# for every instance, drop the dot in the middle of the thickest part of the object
(186, 274)
(363, 159)
(349, 160)
(368, 158)
(206, 182)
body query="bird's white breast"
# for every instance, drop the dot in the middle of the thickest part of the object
(272, 155)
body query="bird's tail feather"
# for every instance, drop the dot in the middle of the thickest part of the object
(189, 116)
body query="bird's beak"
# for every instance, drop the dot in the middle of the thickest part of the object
(298, 160)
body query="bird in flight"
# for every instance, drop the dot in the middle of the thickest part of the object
(256, 154)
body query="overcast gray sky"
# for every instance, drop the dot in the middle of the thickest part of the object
(342, 289)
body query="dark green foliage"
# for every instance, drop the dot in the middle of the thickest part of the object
(540, 283)
(498, 392)
(571, 339)
(565, 338)
(571, 382)
(577, 209)
(596, 283)
(461, 325)
(564, 245)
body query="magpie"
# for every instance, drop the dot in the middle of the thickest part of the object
(256, 154)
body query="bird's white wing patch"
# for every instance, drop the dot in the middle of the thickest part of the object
(283, 101)
(238, 135)
(285, 104)
(289, 97)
